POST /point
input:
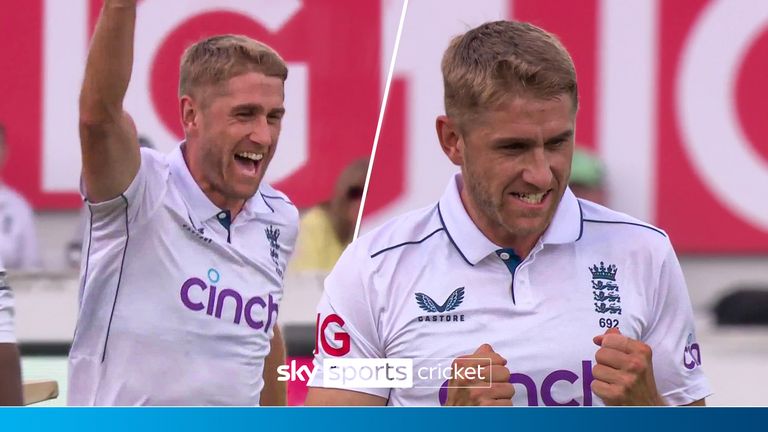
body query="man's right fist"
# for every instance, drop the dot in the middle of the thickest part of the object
(489, 385)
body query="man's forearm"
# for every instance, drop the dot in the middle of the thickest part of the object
(274, 392)
(109, 64)
(10, 375)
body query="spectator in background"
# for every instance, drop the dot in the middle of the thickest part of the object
(10, 370)
(17, 224)
(587, 177)
(326, 229)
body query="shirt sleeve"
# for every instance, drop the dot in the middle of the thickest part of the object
(30, 256)
(347, 324)
(672, 337)
(141, 197)
(7, 334)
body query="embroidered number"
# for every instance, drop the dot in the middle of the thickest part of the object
(608, 323)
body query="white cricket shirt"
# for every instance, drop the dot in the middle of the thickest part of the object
(429, 285)
(17, 226)
(176, 309)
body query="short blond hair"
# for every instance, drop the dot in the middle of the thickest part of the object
(216, 59)
(485, 65)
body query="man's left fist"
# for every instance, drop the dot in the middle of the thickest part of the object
(623, 373)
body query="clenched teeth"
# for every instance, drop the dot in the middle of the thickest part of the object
(530, 198)
(251, 156)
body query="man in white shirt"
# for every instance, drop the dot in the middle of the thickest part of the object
(17, 224)
(10, 370)
(545, 298)
(184, 253)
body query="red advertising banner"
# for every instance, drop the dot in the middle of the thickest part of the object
(672, 100)
(333, 92)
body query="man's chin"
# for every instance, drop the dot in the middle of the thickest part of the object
(243, 192)
(526, 226)
(246, 195)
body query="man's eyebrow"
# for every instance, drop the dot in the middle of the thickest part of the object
(562, 136)
(514, 141)
(258, 108)
(248, 107)
(530, 142)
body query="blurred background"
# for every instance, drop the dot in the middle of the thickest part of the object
(671, 129)
(338, 53)
(672, 126)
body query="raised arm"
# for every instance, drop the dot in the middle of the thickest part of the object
(110, 149)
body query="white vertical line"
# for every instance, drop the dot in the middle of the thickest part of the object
(381, 116)
(65, 43)
(418, 62)
(628, 104)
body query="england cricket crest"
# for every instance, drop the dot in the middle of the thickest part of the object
(605, 291)
(274, 247)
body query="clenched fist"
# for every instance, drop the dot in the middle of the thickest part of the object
(492, 387)
(623, 374)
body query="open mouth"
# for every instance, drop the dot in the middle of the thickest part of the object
(248, 162)
(531, 198)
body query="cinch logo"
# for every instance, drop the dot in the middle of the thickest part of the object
(453, 301)
(216, 301)
(691, 353)
(546, 386)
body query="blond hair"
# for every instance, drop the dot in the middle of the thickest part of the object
(485, 65)
(215, 60)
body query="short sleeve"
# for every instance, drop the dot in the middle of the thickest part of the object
(141, 197)
(347, 323)
(677, 354)
(7, 334)
(30, 256)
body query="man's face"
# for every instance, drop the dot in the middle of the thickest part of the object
(353, 197)
(345, 203)
(232, 134)
(516, 161)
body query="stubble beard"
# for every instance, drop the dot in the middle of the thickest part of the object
(493, 211)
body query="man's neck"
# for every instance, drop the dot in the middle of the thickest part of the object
(234, 206)
(496, 233)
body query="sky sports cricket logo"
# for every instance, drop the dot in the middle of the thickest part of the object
(356, 373)
(562, 387)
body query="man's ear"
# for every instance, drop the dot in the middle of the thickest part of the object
(189, 113)
(451, 140)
